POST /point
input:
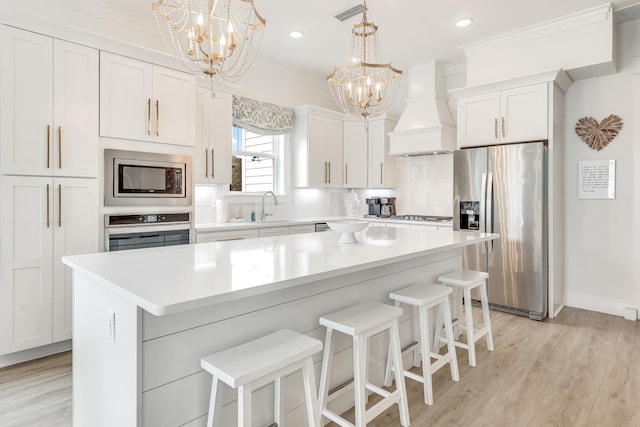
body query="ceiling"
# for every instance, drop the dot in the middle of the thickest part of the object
(410, 31)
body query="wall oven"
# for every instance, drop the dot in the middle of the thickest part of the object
(146, 179)
(134, 231)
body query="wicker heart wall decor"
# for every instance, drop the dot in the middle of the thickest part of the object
(598, 135)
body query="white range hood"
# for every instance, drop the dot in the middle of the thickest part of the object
(426, 125)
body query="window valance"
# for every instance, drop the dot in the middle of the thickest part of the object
(261, 117)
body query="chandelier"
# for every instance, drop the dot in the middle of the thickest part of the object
(365, 86)
(214, 38)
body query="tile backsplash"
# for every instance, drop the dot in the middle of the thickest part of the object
(424, 186)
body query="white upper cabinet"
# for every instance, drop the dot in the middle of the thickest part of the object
(381, 165)
(355, 154)
(48, 106)
(145, 102)
(212, 158)
(318, 151)
(510, 115)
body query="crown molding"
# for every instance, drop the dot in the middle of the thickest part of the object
(554, 26)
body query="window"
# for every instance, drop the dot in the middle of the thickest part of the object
(255, 161)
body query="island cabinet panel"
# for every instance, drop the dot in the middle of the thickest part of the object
(175, 389)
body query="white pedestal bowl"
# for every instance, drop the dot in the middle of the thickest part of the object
(348, 229)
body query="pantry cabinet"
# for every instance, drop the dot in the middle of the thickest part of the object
(48, 106)
(318, 148)
(510, 115)
(41, 220)
(212, 158)
(146, 102)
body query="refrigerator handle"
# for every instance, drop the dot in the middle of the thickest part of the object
(489, 208)
(483, 207)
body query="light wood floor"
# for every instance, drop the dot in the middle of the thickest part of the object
(580, 369)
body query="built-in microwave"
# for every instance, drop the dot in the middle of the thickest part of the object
(135, 178)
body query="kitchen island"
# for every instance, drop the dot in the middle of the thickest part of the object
(144, 318)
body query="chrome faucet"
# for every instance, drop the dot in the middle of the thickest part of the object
(263, 214)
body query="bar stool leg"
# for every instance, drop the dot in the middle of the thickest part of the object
(426, 354)
(327, 356)
(417, 324)
(359, 378)
(215, 403)
(469, 326)
(244, 405)
(451, 347)
(313, 415)
(485, 315)
(277, 410)
(399, 374)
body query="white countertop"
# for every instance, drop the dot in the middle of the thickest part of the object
(173, 279)
(237, 225)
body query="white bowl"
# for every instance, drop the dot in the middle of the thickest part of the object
(347, 228)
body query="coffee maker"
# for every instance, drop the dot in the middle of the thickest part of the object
(387, 206)
(374, 206)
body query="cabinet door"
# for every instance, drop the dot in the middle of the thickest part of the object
(26, 102)
(318, 169)
(220, 123)
(26, 226)
(524, 113)
(174, 103)
(125, 98)
(273, 231)
(355, 154)
(75, 231)
(332, 139)
(201, 160)
(75, 91)
(381, 165)
(478, 118)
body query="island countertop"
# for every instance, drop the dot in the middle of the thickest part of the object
(174, 279)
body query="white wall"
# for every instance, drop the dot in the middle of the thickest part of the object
(601, 235)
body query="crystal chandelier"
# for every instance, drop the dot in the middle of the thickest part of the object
(215, 38)
(365, 87)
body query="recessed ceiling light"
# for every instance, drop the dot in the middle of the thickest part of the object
(296, 34)
(464, 22)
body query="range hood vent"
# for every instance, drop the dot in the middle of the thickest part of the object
(426, 125)
(345, 14)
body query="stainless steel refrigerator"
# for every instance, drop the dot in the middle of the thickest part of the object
(503, 189)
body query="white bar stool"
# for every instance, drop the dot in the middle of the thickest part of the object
(425, 296)
(259, 362)
(467, 280)
(361, 322)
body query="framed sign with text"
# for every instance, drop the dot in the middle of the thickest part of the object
(596, 179)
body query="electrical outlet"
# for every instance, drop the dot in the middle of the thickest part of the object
(111, 322)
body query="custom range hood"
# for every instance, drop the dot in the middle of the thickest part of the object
(426, 125)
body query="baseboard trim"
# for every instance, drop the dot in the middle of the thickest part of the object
(34, 353)
(596, 303)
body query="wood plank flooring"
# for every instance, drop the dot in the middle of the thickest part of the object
(580, 369)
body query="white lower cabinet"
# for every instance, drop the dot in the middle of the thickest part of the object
(41, 220)
(219, 236)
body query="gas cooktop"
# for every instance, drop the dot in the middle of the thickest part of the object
(427, 218)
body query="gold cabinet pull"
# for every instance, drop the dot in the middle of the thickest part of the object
(59, 147)
(48, 146)
(157, 118)
(148, 116)
(346, 174)
(381, 164)
(503, 135)
(213, 163)
(495, 128)
(325, 172)
(329, 172)
(206, 163)
(59, 205)
(48, 223)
